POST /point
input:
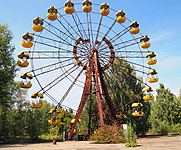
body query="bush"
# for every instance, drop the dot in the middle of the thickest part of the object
(161, 127)
(108, 134)
(175, 129)
(131, 137)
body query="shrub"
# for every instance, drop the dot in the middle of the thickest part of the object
(175, 129)
(108, 134)
(131, 137)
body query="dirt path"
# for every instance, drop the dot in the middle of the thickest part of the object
(149, 143)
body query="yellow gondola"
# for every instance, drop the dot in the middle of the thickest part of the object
(87, 6)
(120, 116)
(104, 9)
(153, 80)
(69, 7)
(80, 130)
(23, 55)
(137, 104)
(38, 105)
(137, 109)
(52, 13)
(150, 55)
(27, 44)
(147, 89)
(40, 95)
(54, 122)
(152, 72)
(25, 85)
(54, 111)
(134, 27)
(145, 45)
(27, 40)
(120, 16)
(151, 61)
(145, 42)
(73, 120)
(148, 97)
(36, 95)
(23, 64)
(144, 38)
(37, 24)
(26, 75)
(138, 114)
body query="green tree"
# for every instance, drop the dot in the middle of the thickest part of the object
(165, 111)
(37, 121)
(17, 113)
(125, 89)
(7, 74)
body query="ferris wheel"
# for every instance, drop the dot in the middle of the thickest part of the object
(75, 46)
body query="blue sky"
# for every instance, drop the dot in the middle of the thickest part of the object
(160, 19)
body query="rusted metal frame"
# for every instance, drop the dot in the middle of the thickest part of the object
(98, 91)
(90, 112)
(106, 94)
(103, 105)
(106, 111)
(85, 94)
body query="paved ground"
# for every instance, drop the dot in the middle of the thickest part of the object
(149, 143)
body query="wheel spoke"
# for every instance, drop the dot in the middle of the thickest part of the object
(69, 89)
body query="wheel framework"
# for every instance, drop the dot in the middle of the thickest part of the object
(81, 46)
